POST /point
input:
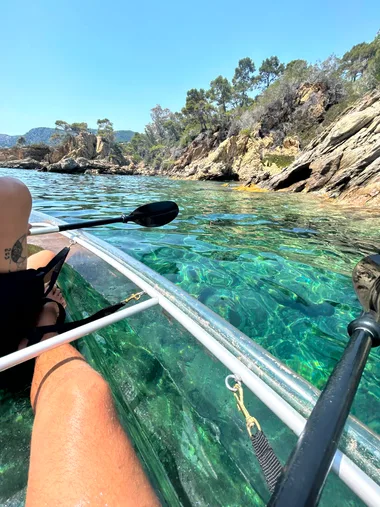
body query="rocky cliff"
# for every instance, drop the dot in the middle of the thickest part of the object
(343, 161)
(242, 157)
(85, 152)
(255, 153)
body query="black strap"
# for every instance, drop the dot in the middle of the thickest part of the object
(54, 267)
(61, 311)
(67, 326)
(61, 326)
(267, 459)
(37, 333)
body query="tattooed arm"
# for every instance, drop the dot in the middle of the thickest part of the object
(17, 255)
(15, 207)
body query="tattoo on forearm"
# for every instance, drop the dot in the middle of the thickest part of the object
(17, 254)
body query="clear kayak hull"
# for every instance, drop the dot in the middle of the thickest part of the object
(170, 391)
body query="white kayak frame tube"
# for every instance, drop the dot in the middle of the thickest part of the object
(20, 356)
(40, 228)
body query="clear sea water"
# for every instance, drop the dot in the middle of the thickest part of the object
(276, 266)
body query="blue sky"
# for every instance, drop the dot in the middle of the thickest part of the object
(83, 60)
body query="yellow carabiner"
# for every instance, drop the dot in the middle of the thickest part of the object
(249, 419)
(136, 297)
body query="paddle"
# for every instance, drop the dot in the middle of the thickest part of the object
(305, 473)
(154, 214)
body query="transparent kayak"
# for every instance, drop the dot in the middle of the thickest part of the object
(166, 361)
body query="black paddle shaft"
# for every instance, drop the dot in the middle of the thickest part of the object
(90, 223)
(305, 473)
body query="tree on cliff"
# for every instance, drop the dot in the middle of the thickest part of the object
(355, 62)
(269, 71)
(227, 108)
(105, 129)
(64, 130)
(21, 141)
(221, 92)
(71, 128)
(166, 126)
(243, 81)
(297, 68)
(174, 127)
(137, 146)
(374, 63)
(197, 108)
(374, 67)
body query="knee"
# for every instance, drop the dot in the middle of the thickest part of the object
(89, 386)
(45, 255)
(40, 259)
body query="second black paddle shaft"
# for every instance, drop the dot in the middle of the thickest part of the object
(306, 471)
(90, 223)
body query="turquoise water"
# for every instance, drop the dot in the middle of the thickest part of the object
(276, 266)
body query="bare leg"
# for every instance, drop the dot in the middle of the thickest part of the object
(40, 259)
(79, 454)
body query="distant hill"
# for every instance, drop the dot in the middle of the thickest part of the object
(43, 135)
(123, 136)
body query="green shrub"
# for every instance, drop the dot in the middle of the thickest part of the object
(281, 161)
(189, 134)
(136, 159)
(337, 109)
(38, 146)
(167, 164)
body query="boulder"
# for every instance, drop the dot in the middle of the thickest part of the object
(57, 153)
(82, 145)
(106, 150)
(103, 147)
(37, 153)
(84, 163)
(75, 154)
(239, 157)
(111, 169)
(27, 163)
(54, 168)
(350, 124)
(69, 164)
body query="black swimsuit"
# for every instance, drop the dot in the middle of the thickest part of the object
(22, 297)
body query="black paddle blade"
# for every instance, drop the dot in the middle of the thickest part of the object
(366, 279)
(154, 214)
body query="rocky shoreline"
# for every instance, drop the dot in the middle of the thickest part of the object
(343, 162)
